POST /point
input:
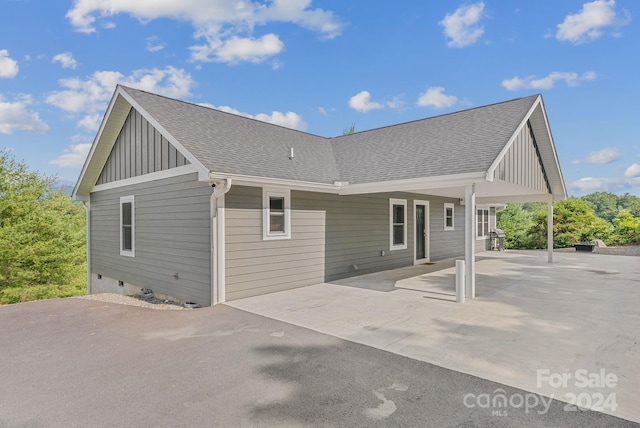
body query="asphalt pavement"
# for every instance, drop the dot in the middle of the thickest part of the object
(82, 363)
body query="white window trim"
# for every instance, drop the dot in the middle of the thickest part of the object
(483, 208)
(393, 202)
(453, 216)
(266, 194)
(132, 252)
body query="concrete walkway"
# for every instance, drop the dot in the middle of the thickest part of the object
(570, 330)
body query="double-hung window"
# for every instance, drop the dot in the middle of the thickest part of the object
(398, 224)
(448, 216)
(127, 226)
(276, 208)
(482, 222)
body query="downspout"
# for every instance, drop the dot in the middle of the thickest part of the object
(86, 205)
(216, 221)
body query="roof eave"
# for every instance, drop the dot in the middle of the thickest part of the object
(79, 190)
(414, 184)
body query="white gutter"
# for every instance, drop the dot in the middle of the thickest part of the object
(86, 205)
(217, 223)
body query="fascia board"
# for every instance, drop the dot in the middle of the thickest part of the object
(414, 184)
(555, 154)
(94, 145)
(203, 172)
(247, 180)
(505, 149)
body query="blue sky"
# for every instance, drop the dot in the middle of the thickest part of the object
(320, 66)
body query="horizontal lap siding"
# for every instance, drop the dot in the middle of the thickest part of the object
(329, 234)
(255, 266)
(444, 244)
(171, 236)
(357, 233)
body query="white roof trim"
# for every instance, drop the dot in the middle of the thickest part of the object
(555, 154)
(119, 97)
(248, 180)
(94, 145)
(492, 169)
(203, 172)
(408, 185)
(159, 175)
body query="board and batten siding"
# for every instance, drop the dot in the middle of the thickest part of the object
(172, 236)
(139, 149)
(329, 234)
(522, 164)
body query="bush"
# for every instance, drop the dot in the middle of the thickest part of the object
(573, 221)
(42, 237)
(516, 222)
(627, 229)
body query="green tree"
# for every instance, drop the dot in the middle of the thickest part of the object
(627, 228)
(630, 203)
(516, 222)
(573, 221)
(42, 237)
(604, 204)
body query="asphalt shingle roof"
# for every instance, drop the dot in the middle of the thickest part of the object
(455, 143)
(461, 142)
(228, 143)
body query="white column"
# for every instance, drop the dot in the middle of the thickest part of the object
(470, 240)
(550, 229)
(460, 281)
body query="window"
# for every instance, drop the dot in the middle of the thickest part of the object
(397, 224)
(127, 226)
(448, 216)
(482, 225)
(276, 214)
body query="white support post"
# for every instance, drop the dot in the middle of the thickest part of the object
(460, 282)
(470, 240)
(550, 229)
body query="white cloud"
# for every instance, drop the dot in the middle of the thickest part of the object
(289, 119)
(73, 157)
(362, 102)
(237, 49)
(600, 157)
(547, 82)
(90, 122)
(592, 184)
(396, 103)
(92, 95)
(16, 117)
(462, 26)
(633, 171)
(221, 24)
(8, 67)
(66, 60)
(154, 44)
(589, 23)
(435, 97)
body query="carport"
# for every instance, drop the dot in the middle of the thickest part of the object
(526, 170)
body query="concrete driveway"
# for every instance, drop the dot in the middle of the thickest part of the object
(568, 330)
(84, 363)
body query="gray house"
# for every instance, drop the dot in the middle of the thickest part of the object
(206, 206)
